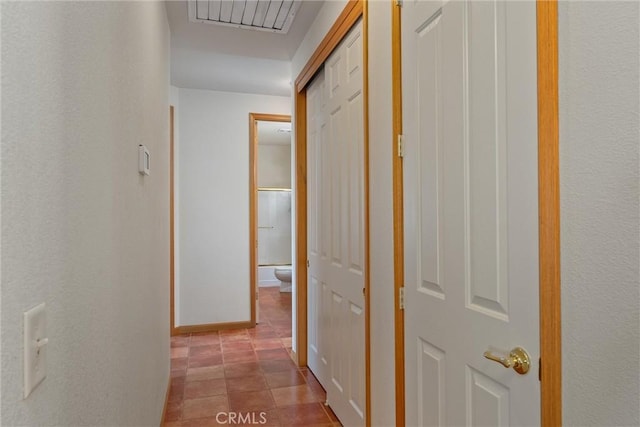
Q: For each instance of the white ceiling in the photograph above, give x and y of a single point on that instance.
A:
(268, 133)
(205, 56)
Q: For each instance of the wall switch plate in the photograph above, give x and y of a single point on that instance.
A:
(144, 160)
(35, 348)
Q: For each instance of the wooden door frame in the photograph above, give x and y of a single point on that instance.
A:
(352, 12)
(172, 265)
(254, 118)
(548, 220)
(398, 209)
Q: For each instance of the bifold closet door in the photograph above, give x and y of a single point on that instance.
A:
(317, 223)
(336, 229)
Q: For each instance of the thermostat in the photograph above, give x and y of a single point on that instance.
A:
(144, 160)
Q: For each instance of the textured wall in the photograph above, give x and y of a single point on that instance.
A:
(599, 125)
(83, 84)
(213, 192)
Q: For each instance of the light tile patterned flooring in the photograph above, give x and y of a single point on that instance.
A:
(245, 371)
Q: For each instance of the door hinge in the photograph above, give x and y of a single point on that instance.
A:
(400, 145)
(308, 263)
(401, 297)
(399, 3)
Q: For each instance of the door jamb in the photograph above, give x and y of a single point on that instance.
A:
(549, 214)
(352, 12)
(398, 209)
(253, 200)
(172, 266)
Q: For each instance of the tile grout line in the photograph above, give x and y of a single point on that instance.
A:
(276, 334)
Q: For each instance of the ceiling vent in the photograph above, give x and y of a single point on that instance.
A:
(262, 15)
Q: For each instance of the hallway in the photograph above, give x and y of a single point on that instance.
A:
(246, 371)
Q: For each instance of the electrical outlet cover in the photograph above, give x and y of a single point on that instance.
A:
(35, 349)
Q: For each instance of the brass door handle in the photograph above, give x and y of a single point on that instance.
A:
(518, 359)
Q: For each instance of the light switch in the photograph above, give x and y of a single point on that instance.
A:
(144, 160)
(35, 348)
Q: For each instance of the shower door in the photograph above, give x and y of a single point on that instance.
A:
(274, 227)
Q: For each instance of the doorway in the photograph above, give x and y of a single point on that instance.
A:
(270, 216)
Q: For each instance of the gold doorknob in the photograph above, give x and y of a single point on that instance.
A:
(518, 359)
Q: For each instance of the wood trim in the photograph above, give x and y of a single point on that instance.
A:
(172, 265)
(166, 400)
(265, 117)
(212, 327)
(301, 226)
(350, 14)
(253, 201)
(398, 211)
(367, 239)
(253, 213)
(549, 211)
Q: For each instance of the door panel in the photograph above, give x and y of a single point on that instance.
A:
(430, 157)
(431, 384)
(486, 148)
(337, 361)
(336, 256)
(317, 200)
(470, 203)
(355, 173)
(488, 400)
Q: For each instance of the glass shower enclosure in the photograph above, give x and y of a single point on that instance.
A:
(274, 226)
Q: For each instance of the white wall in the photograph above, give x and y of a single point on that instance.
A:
(213, 284)
(82, 231)
(381, 216)
(599, 125)
(324, 20)
(274, 166)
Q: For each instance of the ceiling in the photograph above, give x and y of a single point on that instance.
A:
(270, 133)
(213, 57)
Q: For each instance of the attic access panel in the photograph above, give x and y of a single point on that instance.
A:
(274, 16)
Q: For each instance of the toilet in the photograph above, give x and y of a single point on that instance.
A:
(284, 275)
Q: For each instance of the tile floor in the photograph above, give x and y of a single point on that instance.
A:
(246, 371)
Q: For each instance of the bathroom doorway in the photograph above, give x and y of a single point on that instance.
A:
(271, 221)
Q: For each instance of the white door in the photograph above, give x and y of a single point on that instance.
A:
(317, 289)
(336, 246)
(471, 212)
